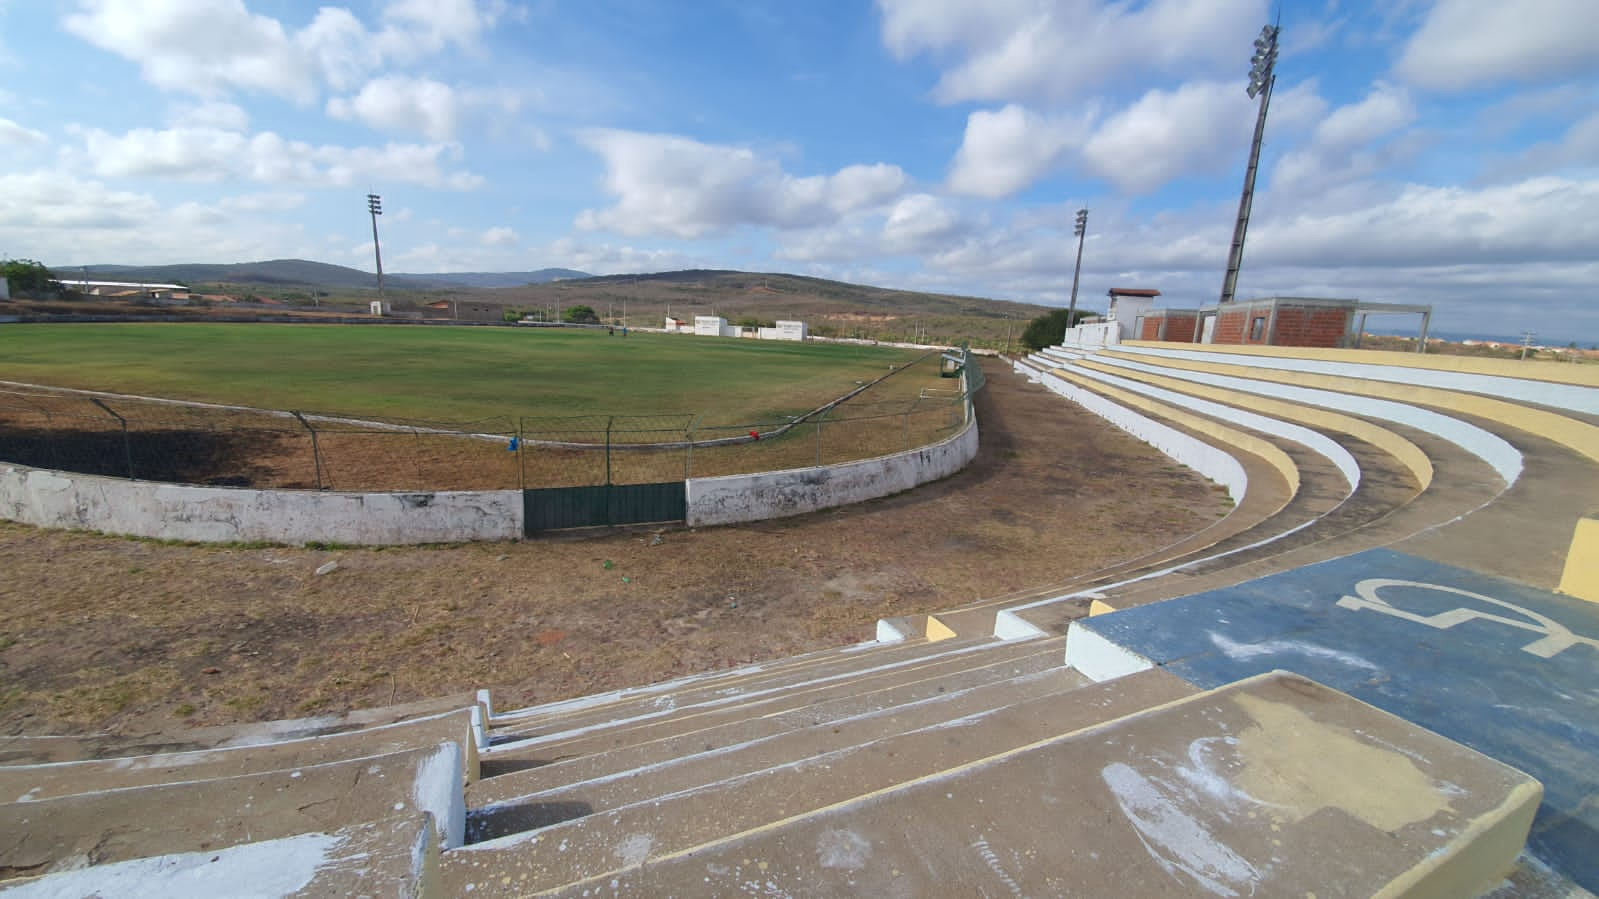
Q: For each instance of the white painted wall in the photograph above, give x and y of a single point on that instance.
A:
(222, 514)
(778, 494)
(710, 326)
(784, 331)
(1094, 336)
(1572, 397)
(1213, 462)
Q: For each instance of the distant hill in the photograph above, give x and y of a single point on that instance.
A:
(275, 272)
(499, 279)
(320, 275)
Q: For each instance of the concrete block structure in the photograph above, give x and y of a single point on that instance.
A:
(1175, 325)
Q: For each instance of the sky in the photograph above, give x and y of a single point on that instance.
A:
(1442, 153)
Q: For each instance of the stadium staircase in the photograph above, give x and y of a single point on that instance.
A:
(1067, 740)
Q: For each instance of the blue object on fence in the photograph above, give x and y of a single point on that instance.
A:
(511, 447)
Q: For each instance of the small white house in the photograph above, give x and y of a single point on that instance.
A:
(678, 326)
(784, 331)
(713, 326)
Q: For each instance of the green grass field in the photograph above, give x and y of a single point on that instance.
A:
(442, 374)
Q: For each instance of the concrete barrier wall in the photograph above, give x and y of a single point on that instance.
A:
(1491, 448)
(778, 494)
(1315, 441)
(1572, 397)
(1212, 462)
(223, 514)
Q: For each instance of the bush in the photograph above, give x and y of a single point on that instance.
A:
(1049, 330)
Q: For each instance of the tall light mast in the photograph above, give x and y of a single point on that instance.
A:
(1079, 231)
(374, 205)
(1262, 76)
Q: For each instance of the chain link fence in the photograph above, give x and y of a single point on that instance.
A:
(194, 443)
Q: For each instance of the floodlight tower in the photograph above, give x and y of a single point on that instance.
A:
(1262, 76)
(1079, 231)
(374, 205)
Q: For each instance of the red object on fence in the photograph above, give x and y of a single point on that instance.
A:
(755, 435)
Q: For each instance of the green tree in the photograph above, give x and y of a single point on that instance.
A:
(28, 278)
(1050, 329)
(580, 315)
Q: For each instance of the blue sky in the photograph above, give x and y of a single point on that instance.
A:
(1417, 152)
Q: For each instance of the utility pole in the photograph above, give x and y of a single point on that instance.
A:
(374, 205)
(1079, 230)
(1262, 75)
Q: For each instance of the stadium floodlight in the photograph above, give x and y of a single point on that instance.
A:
(1262, 74)
(1080, 229)
(374, 205)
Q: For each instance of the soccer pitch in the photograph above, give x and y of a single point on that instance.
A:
(443, 374)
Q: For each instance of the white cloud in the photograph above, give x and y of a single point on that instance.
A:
(915, 224)
(1444, 226)
(14, 135)
(1466, 44)
(608, 259)
(1340, 147)
(201, 47)
(1028, 50)
(498, 237)
(397, 103)
(210, 47)
(1198, 128)
(674, 186)
(213, 114)
(211, 154)
(48, 200)
(1006, 150)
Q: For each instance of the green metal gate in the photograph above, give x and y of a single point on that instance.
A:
(553, 508)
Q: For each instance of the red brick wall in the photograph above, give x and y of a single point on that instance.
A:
(1179, 327)
(1313, 326)
(1232, 326)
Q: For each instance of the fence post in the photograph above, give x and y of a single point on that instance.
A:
(688, 453)
(416, 454)
(521, 447)
(127, 445)
(905, 434)
(819, 439)
(316, 451)
(608, 420)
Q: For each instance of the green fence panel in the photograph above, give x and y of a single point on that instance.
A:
(555, 508)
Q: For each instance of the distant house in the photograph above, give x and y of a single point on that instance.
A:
(678, 326)
(470, 310)
(126, 289)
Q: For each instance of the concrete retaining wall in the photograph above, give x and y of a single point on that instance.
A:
(55, 499)
(1212, 462)
(778, 494)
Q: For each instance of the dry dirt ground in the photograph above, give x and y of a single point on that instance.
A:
(103, 633)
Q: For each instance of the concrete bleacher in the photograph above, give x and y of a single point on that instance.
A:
(1359, 682)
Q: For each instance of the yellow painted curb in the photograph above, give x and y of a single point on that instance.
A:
(1247, 442)
(1553, 372)
(938, 630)
(1581, 577)
(1577, 436)
(1407, 453)
(1099, 607)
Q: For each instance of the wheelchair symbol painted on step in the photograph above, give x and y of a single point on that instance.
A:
(1556, 638)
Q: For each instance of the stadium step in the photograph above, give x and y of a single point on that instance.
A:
(51, 780)
(34, 750)
(115, 825)
(592, 848)
(568, 739)
(530, 770)
(1271, 786)
(521, 801)
(749, 684)
(394, 856)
